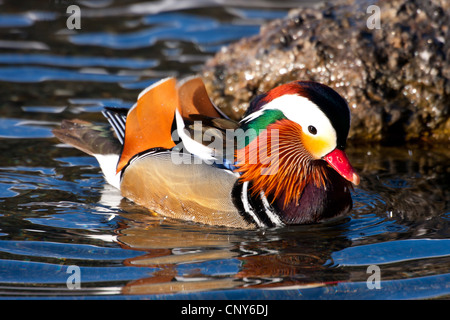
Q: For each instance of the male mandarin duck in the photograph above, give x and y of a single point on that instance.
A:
(178, 155)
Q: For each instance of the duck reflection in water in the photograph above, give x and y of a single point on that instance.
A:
(193, 258)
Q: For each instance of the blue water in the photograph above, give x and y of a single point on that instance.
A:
(57, 213)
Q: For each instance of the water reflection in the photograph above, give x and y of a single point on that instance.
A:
(195, 257)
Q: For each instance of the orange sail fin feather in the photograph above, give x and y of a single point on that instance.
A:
(149, 122)
(195, 100)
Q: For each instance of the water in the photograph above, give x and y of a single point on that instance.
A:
(59, 220)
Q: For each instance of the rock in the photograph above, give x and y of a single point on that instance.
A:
(396, 79)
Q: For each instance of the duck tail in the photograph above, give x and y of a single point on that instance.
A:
(99, 141)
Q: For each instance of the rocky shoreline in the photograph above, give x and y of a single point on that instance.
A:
(396, 78)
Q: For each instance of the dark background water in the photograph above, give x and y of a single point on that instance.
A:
(56, 211)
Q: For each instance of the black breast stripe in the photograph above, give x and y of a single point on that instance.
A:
(240, 200)
(254, 209)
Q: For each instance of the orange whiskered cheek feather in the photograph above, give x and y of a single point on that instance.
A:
(259, 162)
(277, 163)
(259, 158)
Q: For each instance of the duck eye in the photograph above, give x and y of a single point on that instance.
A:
(312, 130)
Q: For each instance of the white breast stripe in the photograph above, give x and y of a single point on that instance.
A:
(248, 209)
(269, 211)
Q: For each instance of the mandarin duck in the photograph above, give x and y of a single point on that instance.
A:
(177, 154)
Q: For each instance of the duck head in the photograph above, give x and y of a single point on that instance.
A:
(300, 129)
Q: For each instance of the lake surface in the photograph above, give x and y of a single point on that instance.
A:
(65, 233)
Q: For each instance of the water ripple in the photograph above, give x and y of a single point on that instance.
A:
(22, 129)
(39, 74)
(171, 26)
(64, 250)
(14, 271)
(77, 61)
(392, 252)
